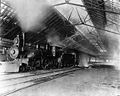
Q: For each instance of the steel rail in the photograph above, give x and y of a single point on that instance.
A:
(39, 80)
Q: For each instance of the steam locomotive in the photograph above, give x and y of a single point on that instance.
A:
(33, 57)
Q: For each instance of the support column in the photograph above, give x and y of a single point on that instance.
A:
(83, 60)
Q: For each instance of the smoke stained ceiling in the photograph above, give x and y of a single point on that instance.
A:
(92, 27)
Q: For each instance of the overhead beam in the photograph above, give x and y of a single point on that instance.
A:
(89, 7)
(97, 28)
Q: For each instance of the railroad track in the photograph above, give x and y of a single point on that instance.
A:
(10, 86)
(28, 74)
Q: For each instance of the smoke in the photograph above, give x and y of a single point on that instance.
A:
(54, 38)
(116, 55)
(30, 13)
(114, 44)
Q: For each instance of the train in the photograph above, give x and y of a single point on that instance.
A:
(17, 58)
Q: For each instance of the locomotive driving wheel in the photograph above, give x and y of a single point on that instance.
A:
(38, 64)
(23, 68)
(47, 64)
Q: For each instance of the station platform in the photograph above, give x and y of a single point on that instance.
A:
(95, 81)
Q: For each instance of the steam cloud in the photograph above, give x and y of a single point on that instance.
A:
(54, 38)
(30, 13)
(114, 43)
